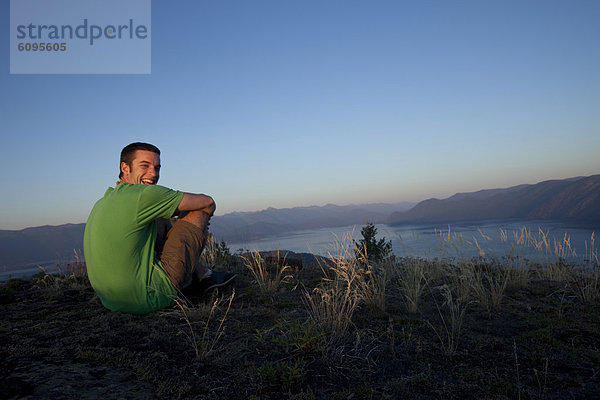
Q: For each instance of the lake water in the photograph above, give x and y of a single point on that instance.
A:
(28, 270)
(536, 241)
(457, 241)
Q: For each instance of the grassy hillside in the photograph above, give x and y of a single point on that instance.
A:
(338, 329)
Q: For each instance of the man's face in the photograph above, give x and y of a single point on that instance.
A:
(144, 168)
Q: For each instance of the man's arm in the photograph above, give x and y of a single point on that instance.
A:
(197, 202)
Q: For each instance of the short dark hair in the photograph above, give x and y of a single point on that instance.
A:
(128, 152)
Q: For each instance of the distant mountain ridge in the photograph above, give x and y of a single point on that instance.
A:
(41, 244)
(45, 244)
(245, 226)
(575, 200)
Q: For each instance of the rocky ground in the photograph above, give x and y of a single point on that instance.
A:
(58, 342)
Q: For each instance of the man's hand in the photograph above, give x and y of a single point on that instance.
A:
(212, 208)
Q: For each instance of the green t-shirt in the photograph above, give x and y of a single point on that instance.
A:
(119, 247)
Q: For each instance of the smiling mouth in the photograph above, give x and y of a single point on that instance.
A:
(148, 181)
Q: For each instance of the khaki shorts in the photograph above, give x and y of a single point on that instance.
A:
(179, 250)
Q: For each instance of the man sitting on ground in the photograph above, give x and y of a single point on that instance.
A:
(133, 266)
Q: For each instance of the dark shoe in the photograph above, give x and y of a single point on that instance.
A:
(215, 280)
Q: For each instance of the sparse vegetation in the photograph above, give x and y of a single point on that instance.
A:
(268, 275)
(451, 319)
(412, 281)
(215, 254)
(332, 304)
(346, 327)
(211, 328)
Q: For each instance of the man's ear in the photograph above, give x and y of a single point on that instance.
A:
(125, 168)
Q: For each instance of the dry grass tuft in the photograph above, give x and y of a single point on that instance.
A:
(488, 284)
(215, 254)
(332, 308)
(451, 321)
(586, 284)
(412, 279)
(204, 344)
(267, 280)
(332, 304)
(371, 278)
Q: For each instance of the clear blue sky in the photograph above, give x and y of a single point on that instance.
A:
(295, 103)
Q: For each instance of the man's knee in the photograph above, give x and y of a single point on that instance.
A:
(199, 218)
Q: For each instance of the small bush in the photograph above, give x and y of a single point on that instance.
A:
(11, 286)
(284, 373)
(369, 248)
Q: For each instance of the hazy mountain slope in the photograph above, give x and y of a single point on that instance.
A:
(41, 244)
(576, 199)
(251, 225)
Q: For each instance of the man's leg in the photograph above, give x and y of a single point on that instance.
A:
(163, 226)
(181, 252)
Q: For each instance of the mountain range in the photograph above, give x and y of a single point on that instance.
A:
(574, 200)
(246, 226)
